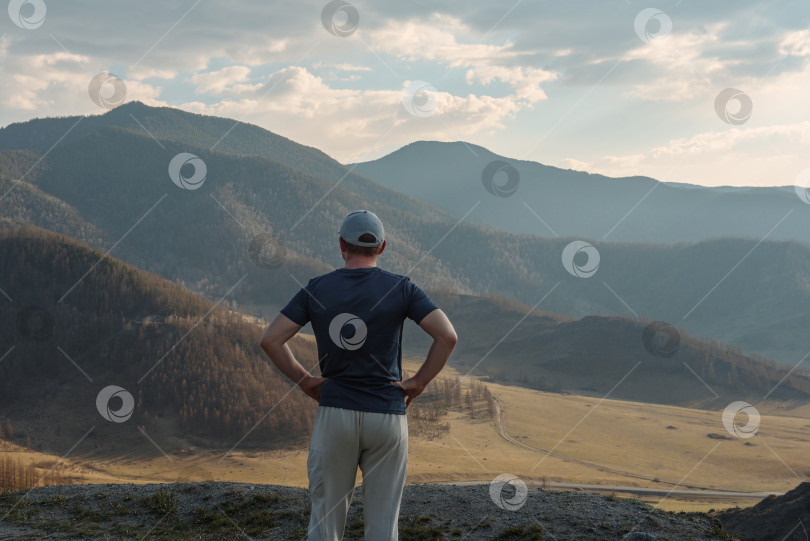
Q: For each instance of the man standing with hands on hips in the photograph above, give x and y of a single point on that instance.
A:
(357, 314)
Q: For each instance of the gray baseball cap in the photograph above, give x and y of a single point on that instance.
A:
(357, 224)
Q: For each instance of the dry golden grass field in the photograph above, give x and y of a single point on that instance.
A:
(592, 441)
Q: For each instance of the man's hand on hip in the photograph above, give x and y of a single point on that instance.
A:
(311, 385)
(412, 389)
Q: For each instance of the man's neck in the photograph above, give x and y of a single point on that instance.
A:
(361, 263)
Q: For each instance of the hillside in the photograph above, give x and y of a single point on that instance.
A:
(74, 322)
(749, 293)
(579, 204)
(189, 366)
(744, 292)
(785, 517)
(27, 204)
(429, 512)
(113, 177)
(545, 351)
(591, 354)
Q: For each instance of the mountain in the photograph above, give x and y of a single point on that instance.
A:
(77, 322)
(590, 355)
(190, 368)
(579, 204)
(197, 377)
(25, 203)
(74, 322)
(111, 188)
(113, 176)
(214, 134)
(785, 517)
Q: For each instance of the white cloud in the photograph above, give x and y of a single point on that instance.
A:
(499, 84)
(141, 72)
(218, 82)
(796, 43)
(54, 84)
(255, 51)
(353, 124)
(437, 39)
(679, 67)
(572, 163)
(526, 81)
(341, 67)
(712, 142)
(765, 155)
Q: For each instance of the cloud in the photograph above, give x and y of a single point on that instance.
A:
(765, 155)
(527, 82)
(796, 43)
(504, 72)
(54, 84)
(437, 38)
(341, 67)
(677, 67)
(353, 124)
(220, 82)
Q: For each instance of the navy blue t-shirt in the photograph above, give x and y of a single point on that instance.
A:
(357, 316)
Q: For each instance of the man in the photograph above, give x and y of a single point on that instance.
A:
(357, 314)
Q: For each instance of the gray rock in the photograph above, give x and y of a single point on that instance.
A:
(639, 536)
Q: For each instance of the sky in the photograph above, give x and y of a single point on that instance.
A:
(712, 93)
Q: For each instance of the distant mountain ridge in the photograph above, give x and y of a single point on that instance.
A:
(591, 354)
(591, 206)
(214, 134)
(111, 188)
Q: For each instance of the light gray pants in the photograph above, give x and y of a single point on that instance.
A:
(342, 440)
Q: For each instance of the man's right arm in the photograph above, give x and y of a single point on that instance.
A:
(274, 344)
(438, 326)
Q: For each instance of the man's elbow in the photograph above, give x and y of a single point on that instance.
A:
(450, 339)
(268, 343)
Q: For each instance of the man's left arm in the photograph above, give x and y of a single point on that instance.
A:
(274, 344)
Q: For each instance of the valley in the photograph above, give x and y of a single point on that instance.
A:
(557, 441)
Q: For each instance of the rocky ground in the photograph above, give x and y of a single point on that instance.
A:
(236, 510)
(783, 518)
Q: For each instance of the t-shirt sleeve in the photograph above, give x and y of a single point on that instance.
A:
(420, 304)
(298, 308)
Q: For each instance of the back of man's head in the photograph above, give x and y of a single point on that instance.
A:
(363, 233)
